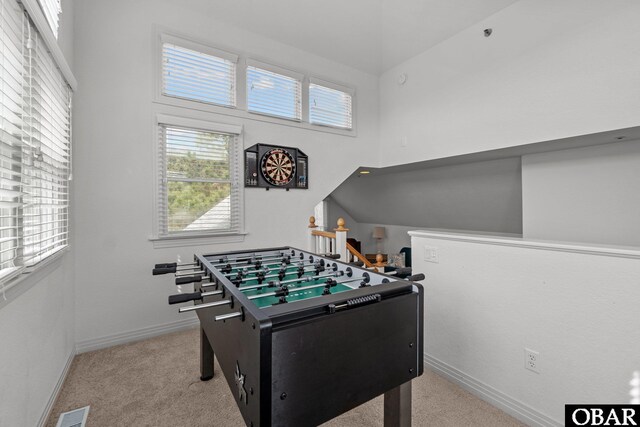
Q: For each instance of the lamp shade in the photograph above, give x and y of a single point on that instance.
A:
(378, 232)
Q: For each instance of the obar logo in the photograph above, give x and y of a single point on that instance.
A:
(601, 415)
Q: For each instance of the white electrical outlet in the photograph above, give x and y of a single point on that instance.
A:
(532, 360)
(431, 254)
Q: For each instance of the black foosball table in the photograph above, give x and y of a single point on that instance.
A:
(302, 338)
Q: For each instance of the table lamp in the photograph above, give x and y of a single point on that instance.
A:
(378, 234)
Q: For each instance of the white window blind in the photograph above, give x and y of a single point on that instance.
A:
(330, 106)
(47, 151)
(12, 81)
(199, 182)
(52, 10)
(198, 76)
(274, 94)
(35, 150)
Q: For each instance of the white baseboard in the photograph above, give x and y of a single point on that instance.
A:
(489, 394)
(136, 335)
(56, 391)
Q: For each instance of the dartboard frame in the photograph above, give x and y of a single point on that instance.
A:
(274, 166)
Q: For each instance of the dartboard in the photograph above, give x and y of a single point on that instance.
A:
(278, 167)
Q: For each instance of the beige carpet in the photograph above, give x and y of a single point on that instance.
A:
(156, 383)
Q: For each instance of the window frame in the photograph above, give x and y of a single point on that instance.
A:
(240, 111)
(338, 87)
(201, 48)
(16, 283)
(299, 77)
(167, 240)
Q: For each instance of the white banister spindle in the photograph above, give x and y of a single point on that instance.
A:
(311, 245)
(341, 240)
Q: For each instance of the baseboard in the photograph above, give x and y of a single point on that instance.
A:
(54, 395)
(136, 335)
(489, 394)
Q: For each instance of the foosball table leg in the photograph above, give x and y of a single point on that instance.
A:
(206, 357)
(397, 406)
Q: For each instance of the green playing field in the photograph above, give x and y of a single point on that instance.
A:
(293, 295)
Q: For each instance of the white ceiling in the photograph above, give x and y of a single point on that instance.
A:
(370, 35)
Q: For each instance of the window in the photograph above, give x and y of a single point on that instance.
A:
(52, 10)
(273, 91)
(35, 146)
(199, 191)
(204, 75)
(197, 76)
(329, 106)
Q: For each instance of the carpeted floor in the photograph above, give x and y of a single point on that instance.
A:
(156, 383)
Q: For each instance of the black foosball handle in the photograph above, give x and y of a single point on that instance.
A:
(164, 270)
(180, 298)
(416, 277)
(401, 272)
(166, 265)
(357, 263)
(188, 279)
(332, 256)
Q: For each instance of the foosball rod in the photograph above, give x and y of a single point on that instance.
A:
(304, 288)
(205, 305)
(271, 276)
(251, 261)
(226, 259)
(298, 280)
(228, 269)
(267, 269)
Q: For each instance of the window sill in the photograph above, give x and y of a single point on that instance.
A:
(195, 240)
(25, 281)
(248, 115)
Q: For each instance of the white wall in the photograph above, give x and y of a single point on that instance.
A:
(37, 319)
(583, 195)
(550, 70)
(37, 330)
(485, 301)
(114, 155)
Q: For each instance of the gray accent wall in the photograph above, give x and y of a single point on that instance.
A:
(480, 196)
(589, 195)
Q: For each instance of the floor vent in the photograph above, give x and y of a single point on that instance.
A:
(75, 418)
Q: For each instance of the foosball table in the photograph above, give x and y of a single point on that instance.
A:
(302, 338)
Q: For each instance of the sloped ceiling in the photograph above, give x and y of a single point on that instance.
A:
(370, 35)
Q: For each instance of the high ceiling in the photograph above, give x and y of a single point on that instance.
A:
(370, 35)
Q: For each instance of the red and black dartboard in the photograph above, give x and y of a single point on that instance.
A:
(278, 167)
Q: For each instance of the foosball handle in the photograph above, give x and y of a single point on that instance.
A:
(166, 265)
(179, 298)
(333, 256)
(357, 263)
(402, 271)
(416, 277)
(188, 279)
(163, 270)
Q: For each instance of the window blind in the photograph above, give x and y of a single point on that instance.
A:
(330, 107)
(52, 10)
(273, 94)
(197, 76)
(199, 182)
(46, 154)
(35, 116)
(12, 82)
